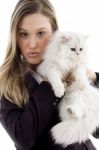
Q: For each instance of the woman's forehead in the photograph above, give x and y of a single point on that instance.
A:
(35, 21)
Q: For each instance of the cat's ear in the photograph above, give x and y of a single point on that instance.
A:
(64, 39)
(85, 37)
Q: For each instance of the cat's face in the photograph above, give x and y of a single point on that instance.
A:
(74, 45)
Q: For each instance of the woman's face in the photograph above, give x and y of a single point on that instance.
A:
(34, 32)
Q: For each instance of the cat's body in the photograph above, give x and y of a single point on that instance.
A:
(79, 109)
(60, 60)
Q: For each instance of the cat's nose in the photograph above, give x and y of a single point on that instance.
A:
(77, 53)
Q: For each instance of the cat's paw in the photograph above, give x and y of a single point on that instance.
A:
(75, 111)
(59, 91)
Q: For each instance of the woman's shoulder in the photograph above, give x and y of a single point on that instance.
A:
(30, 81)
(29, 77)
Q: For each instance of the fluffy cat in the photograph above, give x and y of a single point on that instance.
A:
(79, 108)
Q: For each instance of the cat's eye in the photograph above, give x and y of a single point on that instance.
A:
(73, 49)
(81, 49)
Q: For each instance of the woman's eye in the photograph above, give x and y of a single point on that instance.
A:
(23, 34)
(40, 34)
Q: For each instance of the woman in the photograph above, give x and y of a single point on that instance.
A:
(28, 104)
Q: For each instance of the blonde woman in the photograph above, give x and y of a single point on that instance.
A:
(28, 104)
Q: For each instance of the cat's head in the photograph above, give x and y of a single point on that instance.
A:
(73, 44)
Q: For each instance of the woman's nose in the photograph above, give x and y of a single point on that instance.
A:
(32, 42)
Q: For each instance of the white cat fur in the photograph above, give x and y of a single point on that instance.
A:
(79, 109)
(59, 61)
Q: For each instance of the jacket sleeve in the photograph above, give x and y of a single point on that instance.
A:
(26, 125)
(96, 133)
(96, 82)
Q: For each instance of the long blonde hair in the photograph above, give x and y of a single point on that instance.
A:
(13, 70)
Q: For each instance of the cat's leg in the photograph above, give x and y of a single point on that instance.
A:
(54, 76)
(55, 79)
(75, 111)
(81, 79)
(73, 105)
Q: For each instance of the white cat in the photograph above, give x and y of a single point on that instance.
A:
(60, 58)
(79, 108)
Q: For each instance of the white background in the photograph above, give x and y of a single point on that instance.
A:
(73, 15)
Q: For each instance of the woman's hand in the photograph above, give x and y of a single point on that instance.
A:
(91, 74)
(69, 79)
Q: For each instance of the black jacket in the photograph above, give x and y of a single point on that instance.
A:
(29, 126)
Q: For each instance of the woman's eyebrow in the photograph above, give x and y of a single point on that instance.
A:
(22, 29)
(42, 28)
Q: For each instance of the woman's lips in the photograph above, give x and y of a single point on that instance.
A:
(34, 54)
